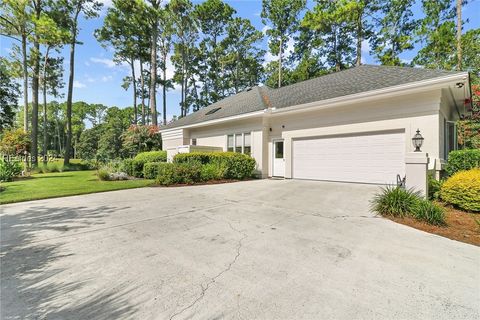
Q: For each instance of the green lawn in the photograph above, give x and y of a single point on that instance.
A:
(59, 184)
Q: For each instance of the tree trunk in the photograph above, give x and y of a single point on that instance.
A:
(142, 84)
(35, 88)
(153, 74)
(280, 64)
(68, 144)
(25, 82)
(359, 39)
(45, 136)
(134, 84)
(459, 34)
(164, 67)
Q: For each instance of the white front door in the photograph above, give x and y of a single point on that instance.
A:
(278, 159)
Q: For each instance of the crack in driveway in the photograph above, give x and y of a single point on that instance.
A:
(214, 279)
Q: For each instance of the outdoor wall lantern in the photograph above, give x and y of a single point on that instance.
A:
(417, 141)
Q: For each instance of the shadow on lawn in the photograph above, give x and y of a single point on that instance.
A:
(29, 284)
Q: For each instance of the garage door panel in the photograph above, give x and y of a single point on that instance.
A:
(373, 158)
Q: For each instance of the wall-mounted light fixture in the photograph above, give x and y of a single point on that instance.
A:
(417, 141)
(459, 84)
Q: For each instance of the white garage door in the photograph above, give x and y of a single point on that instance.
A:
(368, 158)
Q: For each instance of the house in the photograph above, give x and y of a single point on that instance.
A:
(353, 126)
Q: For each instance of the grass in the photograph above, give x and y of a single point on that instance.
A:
(60, 184)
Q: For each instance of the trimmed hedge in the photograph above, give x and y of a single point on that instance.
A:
(134, 167)
(151, 169)
(237, 165)
(463, 190)
(179, 173)
(459, 160)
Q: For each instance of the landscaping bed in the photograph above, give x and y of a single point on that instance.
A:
(460, 225)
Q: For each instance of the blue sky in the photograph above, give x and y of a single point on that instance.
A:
(98, 79)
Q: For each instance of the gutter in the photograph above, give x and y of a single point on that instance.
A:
(358, 97)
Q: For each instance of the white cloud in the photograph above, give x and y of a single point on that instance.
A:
(109, 63)
(366, 47)
(78, 84)
(106, 78)
(290, 47)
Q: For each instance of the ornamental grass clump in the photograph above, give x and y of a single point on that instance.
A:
(429, 212)
(395, 201)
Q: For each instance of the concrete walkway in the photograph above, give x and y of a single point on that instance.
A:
(268, 249)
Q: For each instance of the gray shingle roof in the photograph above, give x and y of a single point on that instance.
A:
(351, 81)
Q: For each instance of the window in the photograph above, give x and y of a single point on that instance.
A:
(230, 142)
(194, 141)
(239, 142)
(450, 137)
(247, 148)
(279, 150)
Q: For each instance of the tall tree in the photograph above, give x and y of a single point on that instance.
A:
(9, 93)
(154, 12)
(333, 27)
(282, 15)
(186, 34)
(71, 12)
(122, 30)
(16, 23)
(165, 44)
(459, 4)
(395, 29)
(436, 33)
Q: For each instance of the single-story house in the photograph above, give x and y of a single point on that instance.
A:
(354, 125)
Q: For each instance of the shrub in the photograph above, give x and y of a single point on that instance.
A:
(127, 166)
(179, 173)
(394, 201)
(9, 170)
(434, 187)
(237, 166)
(429, 212)
(463, 190)
(459, 160)
(103, 174)
(145, 157)
(213, 171)
(151, 169)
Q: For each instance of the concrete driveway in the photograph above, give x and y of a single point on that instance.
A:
(268, 249)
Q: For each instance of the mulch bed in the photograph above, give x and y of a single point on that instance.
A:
(461, 225)
(200, 183)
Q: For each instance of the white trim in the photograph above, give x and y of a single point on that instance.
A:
(210, 122)
(367, 95)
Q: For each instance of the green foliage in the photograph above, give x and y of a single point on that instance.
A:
(179, 173)
(434, 187)
(9, 170)
(213, 171)
(463, 190)
(140, 139)
(237, 165)
(151, 169)
(15, 142)
(462, 160)
(136, 166)
(429, 212)
(128, 167)
(103, 174)
(394, 201)
(9, 94)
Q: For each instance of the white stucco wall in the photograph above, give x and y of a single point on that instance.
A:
(425, 111)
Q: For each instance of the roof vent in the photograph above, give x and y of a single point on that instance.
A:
(213, 111)
(247, 89)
